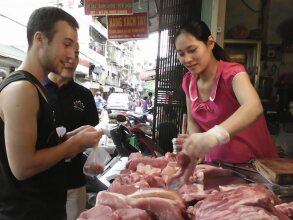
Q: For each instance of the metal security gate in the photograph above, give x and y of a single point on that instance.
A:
(169, 104)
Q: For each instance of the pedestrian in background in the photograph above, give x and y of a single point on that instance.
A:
(74, 106)
(131, 99)
(99, 101)
(145, 105)
(150, 102)
(32, 174)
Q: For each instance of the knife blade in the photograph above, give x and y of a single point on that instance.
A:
(243, 176)
(230, 165)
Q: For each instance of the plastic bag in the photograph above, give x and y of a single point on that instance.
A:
(96, 161)
(104, 127)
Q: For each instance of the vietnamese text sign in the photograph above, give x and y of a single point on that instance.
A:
(108, 7)
(128, 26)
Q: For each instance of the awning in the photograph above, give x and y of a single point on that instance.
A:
(147, 75)
(92, 85)
(105, 88)
(80, 69)
(12, 52)
(83, 65)
(84, 62)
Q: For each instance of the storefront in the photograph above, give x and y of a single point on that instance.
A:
(10, 57)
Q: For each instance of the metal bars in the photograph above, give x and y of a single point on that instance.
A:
(169, 105)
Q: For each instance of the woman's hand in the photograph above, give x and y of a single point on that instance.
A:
(197, 145)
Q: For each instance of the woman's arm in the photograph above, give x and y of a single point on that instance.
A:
(250, 105)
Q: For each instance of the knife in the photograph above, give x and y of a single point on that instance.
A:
(243, 176)
(230, 165)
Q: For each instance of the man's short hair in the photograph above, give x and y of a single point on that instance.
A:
(44, 19)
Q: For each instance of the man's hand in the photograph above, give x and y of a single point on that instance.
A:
(87, 137)
(77, 130)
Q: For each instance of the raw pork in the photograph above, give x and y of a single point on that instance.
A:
(252, 201)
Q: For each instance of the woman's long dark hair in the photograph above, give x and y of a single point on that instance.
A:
(201, 32)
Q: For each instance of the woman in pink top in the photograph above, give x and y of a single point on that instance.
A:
(225, 115)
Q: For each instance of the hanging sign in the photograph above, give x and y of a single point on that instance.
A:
(108, 7)
(121, 27)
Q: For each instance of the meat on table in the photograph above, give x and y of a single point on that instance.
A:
(141, 192)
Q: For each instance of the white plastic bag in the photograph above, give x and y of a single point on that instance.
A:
(96, 161)
(104, 127)
(98, 157)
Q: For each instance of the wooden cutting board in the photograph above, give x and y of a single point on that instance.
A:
(279, 171)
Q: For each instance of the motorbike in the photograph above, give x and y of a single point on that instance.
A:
(132, 116)
(134, 136)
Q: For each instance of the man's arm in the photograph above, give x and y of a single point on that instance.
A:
(19, 114)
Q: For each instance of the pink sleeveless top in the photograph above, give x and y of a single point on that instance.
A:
(254, 142)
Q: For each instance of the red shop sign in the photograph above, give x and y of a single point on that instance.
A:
(108, 7)
(121, 27)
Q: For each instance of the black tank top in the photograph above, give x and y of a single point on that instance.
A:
(43, 196)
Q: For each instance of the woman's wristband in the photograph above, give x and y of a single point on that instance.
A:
(220, 134)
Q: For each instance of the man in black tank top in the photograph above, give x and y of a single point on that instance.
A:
(32, 178)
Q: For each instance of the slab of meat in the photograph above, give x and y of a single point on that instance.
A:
(209, 170)
(129, 188)
(154, 162)
(171, 157)
(135, 155)
(195, 192)
(252, 201)
(155, 181)
(100, 212)
(170, 169)
(130, 183)
(187, 167)
(130, 214)
(239, 212)
(129, 178)
(147, 169)
(286, 208)
(161, 208)
(231, 187)
(160, 193)
(113, 200)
